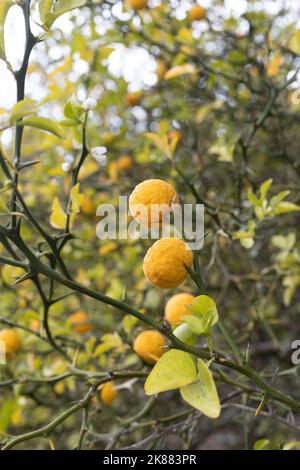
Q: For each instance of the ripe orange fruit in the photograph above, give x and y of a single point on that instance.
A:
(166, 262)
(108, 392)
(133, 99)
(88, 207)
(11, 341)
(137, 5)
(80, 322)
(175, 134)
(148, 193)
(197, 13)
(176, 307)
(150, 345)
(125, 162)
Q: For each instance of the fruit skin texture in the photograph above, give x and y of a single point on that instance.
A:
(150, 346)
(197, 13)
(138, 4)
(176, 307)
(166, 261)
(153, 191)
(11, 341)
(80, 323)
(108, 392)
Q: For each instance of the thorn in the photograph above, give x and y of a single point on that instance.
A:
(23, 278)
(247, 355)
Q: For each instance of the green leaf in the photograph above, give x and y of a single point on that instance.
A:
(43, 124)
(203, 394)
(7, 410)
(173, 370)
(50, 10)
(264, 188)
(261, 444)
(204, 315)
(285, 206)
(294, 42)
(23, 108)
(72, 112)
(58, 217)
(291, 445)
(284, 243)
(276, 200)
(68, 123)
(128, 323)
(199, 326)
(4, 7)
(253, 199)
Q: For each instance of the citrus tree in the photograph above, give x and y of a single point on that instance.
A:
(136, 343)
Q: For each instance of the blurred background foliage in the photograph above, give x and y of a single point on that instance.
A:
(223, 93)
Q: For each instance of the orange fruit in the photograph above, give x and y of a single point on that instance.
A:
(138, 5)
(80, 322)
(176, 307)
(153, 192)
(88, 207)
(165, 264)
(125, 162)
(11, 341)
(150, 345)
(175, 134)
(108, 392)
(133, 98)
(197, 13)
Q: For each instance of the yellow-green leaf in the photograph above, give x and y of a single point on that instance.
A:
(58, 216)
(294, 42)
(76, 198)
(204, 315)
(261, 444)
(23, 108)
(43, 124)
(50, 10)
(291, 445)
(173, 370)
(264, 188)
(285, 206)
(203, 394)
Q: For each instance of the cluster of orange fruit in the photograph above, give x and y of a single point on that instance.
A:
(167, 261)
